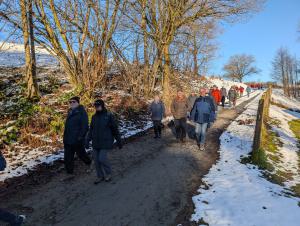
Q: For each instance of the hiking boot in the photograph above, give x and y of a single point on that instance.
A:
(202, 147)
(98, 180)
(159, 136)
(20, 220)
(108, 178)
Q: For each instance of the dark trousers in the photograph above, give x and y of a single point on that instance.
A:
(103, 166)
(157, 127)
(180, 127)
(69, 153)
(223, 101)
(10, 218)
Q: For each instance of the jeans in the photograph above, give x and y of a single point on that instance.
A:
(157, 127)
(10, 218)
(103, 166)
(201, 132)
(69, 153)
(180, 127)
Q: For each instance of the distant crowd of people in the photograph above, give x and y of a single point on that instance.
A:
(200, 108)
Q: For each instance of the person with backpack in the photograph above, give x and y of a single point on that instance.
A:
(103, 131)
(223, 95)
(157, 112)
(179, 109)
(76, 127)
(232, 96)
(5, 216)
(201, 114)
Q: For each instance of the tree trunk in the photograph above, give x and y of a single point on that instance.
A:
(28, 36)
(195, 57)
(166, 78)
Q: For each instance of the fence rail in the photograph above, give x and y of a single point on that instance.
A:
(262, 115)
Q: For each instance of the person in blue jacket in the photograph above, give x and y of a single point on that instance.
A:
(202, 114)
(5, 216)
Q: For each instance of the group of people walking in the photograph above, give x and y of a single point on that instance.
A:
(78, 134)
(199, 108)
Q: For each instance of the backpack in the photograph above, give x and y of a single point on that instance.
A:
(2, 162)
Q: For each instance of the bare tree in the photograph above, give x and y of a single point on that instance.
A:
(285, 70)
(28, 36)
(166, 18)
(240, 66)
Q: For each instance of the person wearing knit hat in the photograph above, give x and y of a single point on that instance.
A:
(76, 127)
(103, 131)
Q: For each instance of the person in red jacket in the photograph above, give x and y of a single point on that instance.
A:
(241, 91)
(216, 94)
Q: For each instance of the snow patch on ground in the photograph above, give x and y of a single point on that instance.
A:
(288, 152)
(289, 102)
(238, 194)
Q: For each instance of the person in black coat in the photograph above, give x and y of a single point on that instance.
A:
(76, 127)
(103, 131)
(5, 216)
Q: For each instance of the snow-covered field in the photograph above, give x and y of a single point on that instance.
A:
(237, 194)
(12, 55)
(279, 98)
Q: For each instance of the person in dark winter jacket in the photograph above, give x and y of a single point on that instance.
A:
(5, 216)
(179, 109)
(103, 130)
(76, 127)
(157, 111)
(201, 114)
(223, 95)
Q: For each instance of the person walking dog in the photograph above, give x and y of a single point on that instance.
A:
(201, 114)
(157, 112)
(103, 130)
(5, 216)
(76, 127)
(179, 109)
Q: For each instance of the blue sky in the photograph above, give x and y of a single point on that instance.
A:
(261, 35)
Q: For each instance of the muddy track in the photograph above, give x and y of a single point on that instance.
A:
(153, 181)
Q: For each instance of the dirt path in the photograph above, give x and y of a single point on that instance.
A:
(152, 184)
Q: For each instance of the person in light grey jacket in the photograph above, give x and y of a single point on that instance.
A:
(157, 112)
